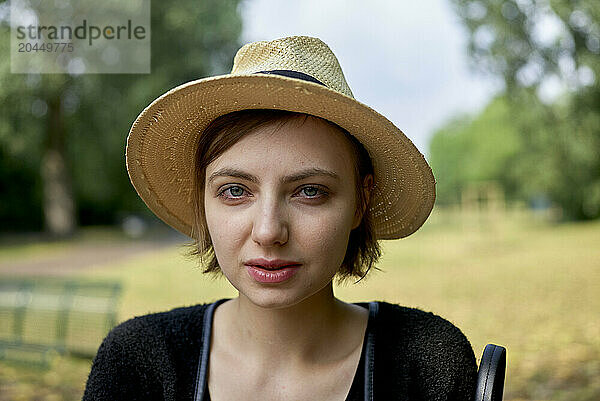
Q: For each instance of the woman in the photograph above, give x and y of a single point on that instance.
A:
(285, 182)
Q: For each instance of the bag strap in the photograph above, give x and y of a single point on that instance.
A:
(204, 354)
(370, 352)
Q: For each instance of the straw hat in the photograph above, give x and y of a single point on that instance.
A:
(299, 74)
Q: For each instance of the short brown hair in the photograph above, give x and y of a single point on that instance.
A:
(363, 249)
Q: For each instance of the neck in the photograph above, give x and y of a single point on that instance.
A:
(301, 331)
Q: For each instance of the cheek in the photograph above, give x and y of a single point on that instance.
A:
(326, 236)
(227, 231)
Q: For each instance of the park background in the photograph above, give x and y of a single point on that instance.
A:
(502, 97)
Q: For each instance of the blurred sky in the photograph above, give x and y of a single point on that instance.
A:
(406, 59)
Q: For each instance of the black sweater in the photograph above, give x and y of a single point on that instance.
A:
(418, 356)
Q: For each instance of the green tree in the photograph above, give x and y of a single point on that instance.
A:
(537, 47)
(468, 150)
(63, 136)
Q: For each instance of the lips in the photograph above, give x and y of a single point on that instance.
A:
(272, 276)
(275, 264)
(272, 268)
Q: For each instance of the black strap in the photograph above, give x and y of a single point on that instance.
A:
(370, 352)
(293, 74)
(492, 369)
(201, 375)
(203, 363)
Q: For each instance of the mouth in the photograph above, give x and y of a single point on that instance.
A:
(269, 275)
(271, 265)
(273, 268)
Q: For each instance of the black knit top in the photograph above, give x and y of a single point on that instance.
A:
(417, 356)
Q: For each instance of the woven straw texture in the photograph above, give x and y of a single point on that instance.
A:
(162, 140)
(291, 54)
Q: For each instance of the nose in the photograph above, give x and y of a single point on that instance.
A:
(270, 226)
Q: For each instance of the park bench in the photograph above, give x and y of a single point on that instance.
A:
(39, 318)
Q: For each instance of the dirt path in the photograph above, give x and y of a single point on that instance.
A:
(81, 256)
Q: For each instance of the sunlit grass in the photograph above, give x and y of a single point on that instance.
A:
(535, 291)
(23, 247)
(160, 281)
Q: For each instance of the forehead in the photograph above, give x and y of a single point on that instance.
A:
(298, 144)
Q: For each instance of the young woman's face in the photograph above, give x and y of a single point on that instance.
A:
(283, 194)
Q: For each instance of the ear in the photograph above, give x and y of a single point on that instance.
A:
(367, 187)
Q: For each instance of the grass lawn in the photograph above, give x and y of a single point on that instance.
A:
(531, 287)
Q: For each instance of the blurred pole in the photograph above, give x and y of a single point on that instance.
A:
(59, 206)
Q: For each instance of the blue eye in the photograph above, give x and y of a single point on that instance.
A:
(234, 190)
(313, 191)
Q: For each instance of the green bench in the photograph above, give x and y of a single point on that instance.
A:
(39, 318)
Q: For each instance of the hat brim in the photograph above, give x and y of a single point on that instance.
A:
(162, 143)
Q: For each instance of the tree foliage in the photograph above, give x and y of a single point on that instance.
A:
(190, 40)
(547, 54)
(470, 150)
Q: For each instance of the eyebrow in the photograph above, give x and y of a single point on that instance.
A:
(300, 175)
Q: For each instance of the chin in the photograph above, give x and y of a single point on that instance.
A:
(274, 298)
(278, 295)
(281, 297)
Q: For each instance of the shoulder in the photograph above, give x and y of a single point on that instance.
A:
(418, 330)
(156, 335)
(418, 325)
(166, 323)
(437, 354)
(141, 358)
